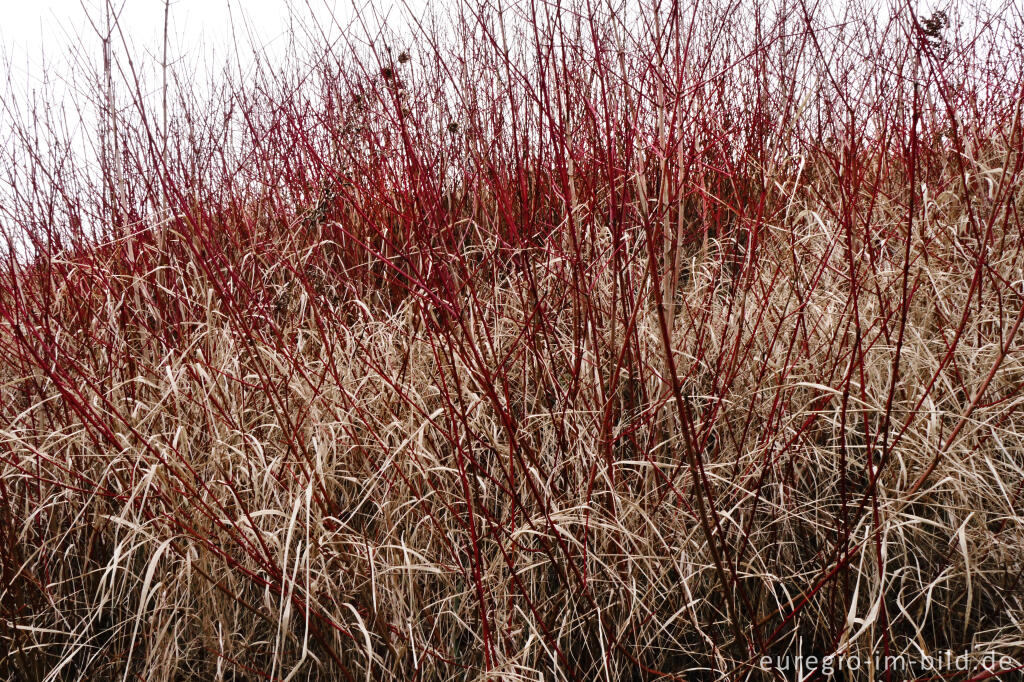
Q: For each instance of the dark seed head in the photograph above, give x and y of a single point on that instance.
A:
(387, 72)
(453, 127)
(403, 57)
(935, 25)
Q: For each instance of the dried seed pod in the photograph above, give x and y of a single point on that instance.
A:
(453, 127)
(934, 25)
(403, 57)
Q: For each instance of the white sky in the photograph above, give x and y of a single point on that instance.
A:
(38, 32)
(30, 29)
(32, 32)
(41, 38)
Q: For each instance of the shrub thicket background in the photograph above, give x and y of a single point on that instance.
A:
(533, 342)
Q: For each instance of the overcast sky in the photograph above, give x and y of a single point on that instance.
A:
(34, 30)
(28, 29)
(41, 37)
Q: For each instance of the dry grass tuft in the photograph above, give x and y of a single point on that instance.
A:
(644, 373)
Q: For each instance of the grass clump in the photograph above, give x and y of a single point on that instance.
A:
(559, 344)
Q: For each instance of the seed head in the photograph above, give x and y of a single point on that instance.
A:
(933, 28)
(934, 25)
(403, 57)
